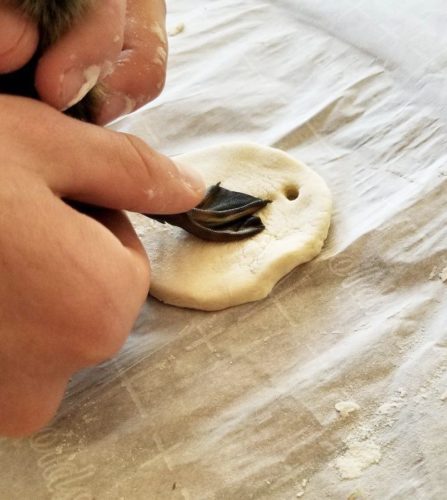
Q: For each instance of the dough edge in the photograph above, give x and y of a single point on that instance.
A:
(259, 286)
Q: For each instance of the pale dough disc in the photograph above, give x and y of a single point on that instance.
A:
(189, 272)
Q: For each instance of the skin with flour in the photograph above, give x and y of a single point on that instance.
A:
(94, 59)
(192, 273)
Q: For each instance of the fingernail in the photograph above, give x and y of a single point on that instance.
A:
(76, 83)
(115, 106)
(191, 177)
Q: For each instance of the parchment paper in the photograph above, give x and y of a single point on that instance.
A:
(240, 404)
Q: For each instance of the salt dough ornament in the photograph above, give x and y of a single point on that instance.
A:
(192, 273)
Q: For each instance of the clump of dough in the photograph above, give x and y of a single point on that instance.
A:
(176, 29)
(345, 408)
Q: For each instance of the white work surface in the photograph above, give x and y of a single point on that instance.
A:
(240, 404)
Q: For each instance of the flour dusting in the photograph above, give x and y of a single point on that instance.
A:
(359, 456)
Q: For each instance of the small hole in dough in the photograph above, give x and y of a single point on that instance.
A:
(291, 192)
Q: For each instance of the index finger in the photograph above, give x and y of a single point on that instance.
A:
(92, 164)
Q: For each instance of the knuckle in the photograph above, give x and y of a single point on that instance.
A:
(154, 69)
(158, 75)
(138, 159)
(100, 311)
(157, 86)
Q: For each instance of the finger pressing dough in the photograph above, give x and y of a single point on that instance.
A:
(189, 272)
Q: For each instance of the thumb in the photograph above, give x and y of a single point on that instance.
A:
(94, 165)
(18, 39)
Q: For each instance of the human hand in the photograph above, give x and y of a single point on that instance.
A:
(118, 44)
(71, 284)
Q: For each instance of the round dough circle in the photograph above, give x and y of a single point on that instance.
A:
(189, 272)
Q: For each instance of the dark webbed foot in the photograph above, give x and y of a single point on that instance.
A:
(223, 215)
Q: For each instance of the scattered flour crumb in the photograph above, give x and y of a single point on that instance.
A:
(345, 408)
(356, 495)
(303, 488)
(402, 392)
(87, 419)
(359, 456)
(388, 408)
(443, 275)
(443, 396)
(434, 273)
(176, 29)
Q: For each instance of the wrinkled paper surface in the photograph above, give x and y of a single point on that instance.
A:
(240, 404)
